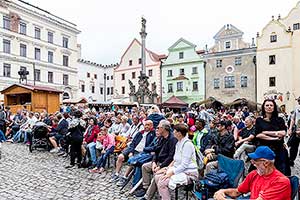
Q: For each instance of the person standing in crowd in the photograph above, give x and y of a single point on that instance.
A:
(76, 129)
(270, 130)
(264, 183)
(294, 133)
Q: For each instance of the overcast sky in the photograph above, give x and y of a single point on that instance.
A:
(108, 26)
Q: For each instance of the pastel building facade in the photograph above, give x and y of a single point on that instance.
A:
(230, 67)
(278, 60)
(130, 68)
(183, 73)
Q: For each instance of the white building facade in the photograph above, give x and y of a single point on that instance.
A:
(278, 60)
(40, 42)
(95, 81)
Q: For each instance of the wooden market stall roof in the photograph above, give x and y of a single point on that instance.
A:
(32, 88)
(174, 102)
(32, 97)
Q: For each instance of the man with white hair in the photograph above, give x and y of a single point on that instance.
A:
(264, 183)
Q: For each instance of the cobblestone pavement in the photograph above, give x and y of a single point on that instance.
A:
(41, 175)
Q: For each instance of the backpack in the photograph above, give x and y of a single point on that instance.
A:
(216, 179)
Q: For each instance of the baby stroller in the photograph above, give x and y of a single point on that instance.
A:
(39, 137)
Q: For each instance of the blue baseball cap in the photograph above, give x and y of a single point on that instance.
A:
(262, 152)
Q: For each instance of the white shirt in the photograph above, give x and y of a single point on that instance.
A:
(140, 147)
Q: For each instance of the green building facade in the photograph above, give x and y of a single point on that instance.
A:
(183, 73)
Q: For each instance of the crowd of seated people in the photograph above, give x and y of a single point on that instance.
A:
(158, 146)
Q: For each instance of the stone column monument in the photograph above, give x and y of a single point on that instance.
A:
(143, 94)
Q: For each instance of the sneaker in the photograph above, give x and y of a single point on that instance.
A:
(115, 178)
(69, 166)
(122, 181)
(54, 150)
(140, 193)
(95, 170)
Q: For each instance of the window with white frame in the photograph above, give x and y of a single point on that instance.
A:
(181, 71)
(219, 63)
(6, 70)
(170, 72)
(296, 26)
(181, 55)
(50, 56)
(65, 60)
(37, 75)
(244, 81)
(195, 86)
(273, 38)
(23, 28)
(112, 90)
(50, 77)
(229, 81)
(37, 53)
(65, 42)
(228, 45)
(238, 60)
(170, 87)
(216, 83)
(272, 60)
(37, 33)
(6, 46)
(180, 86)
(6, 22)
(65, 79)
(272, 81)
(23, 50)
(50, 37)
(194, 70)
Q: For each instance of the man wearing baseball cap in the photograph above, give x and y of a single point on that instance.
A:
(264, 183)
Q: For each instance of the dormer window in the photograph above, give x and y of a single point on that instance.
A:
(273, 38)
(296, 26)
(227, 45)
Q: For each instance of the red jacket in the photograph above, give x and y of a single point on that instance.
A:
(93, 136)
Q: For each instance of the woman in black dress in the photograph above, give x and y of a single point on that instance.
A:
(270, 130)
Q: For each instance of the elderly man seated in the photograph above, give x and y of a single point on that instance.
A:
(264, 183)
(142, 139)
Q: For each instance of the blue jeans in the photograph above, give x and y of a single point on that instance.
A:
(2, 136)
(17, 136)
(102, 160)
(137, 175)
(92, 149)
